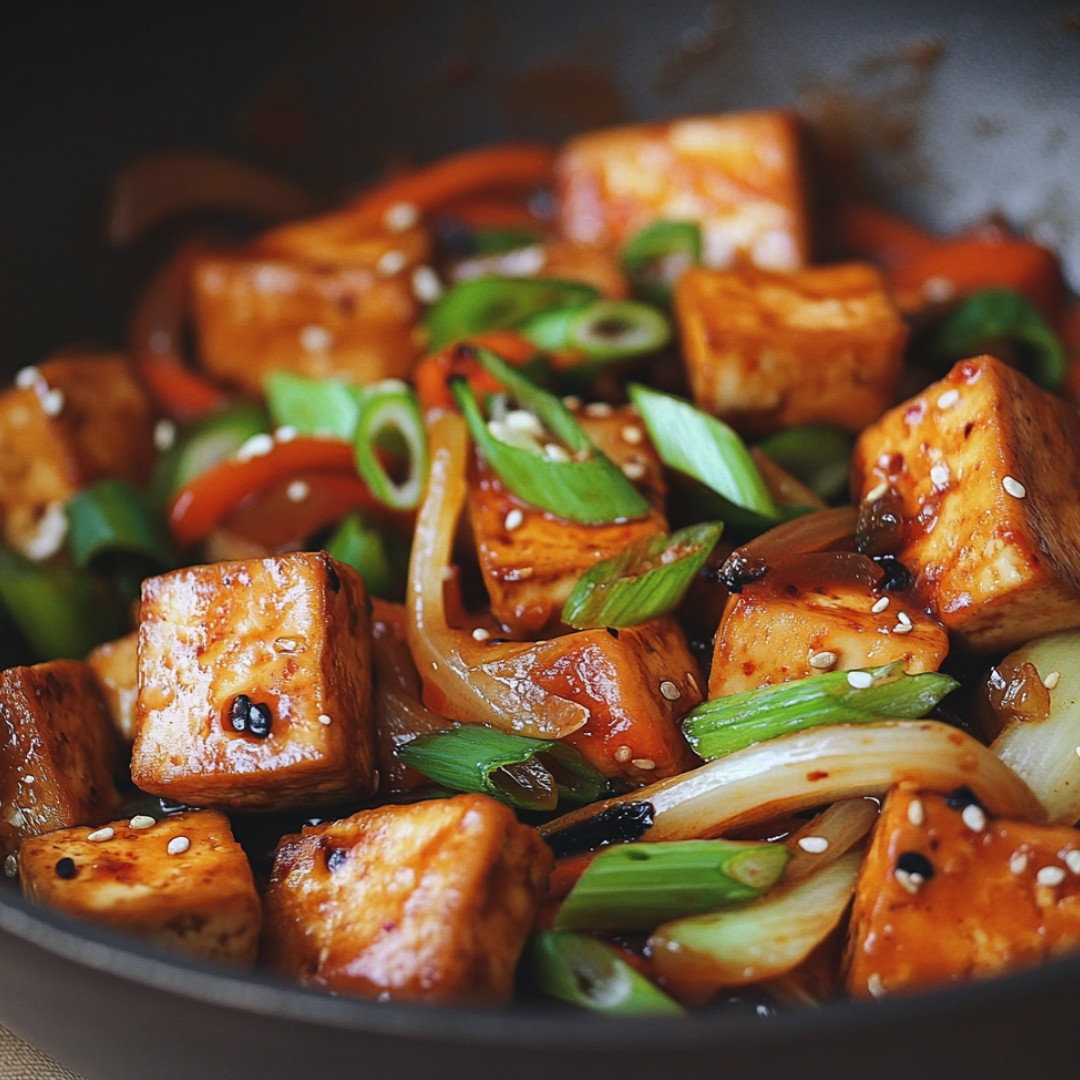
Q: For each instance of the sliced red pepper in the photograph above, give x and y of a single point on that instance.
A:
(875, 234)
(431, 376)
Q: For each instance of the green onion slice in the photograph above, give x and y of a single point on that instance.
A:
(569, 476)
(499, 303)
(991, 315)
(530, 774)
(618, 329)
(818, 455)
(390, 423)
(639, 886)
(498, 241)
(113, 517)
(585, 972)
(726, 724)
(313, 406)
(382, 564)
(704, 448)
(644, 581)
(656, 256)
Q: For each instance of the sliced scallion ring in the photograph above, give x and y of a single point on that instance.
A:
(390, 422)
(644, 581)
(656, 257)
(618, 329)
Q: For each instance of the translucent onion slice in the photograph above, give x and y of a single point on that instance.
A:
(829, 835)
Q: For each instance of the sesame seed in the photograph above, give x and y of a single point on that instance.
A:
(426, 286)
(66, 868)
(1050, 875)
(880, 605)
(973, 817)
(875, 986)
(98, 835)
(555, 452)
(643, 763)
(572, 402)
(401, 216)
(285, 644)
(390, 263)
(623, 753)
(948, 399)
(904, 617)
(1072, 860)
(1018, 863)
(298, 491)
(27, 377)
(903, 628)
(514, 520)
(256, 446)
(916, 813)
(1013, 487)
(670, 690)
(693, 682)
(822, 660)
(938, 289)
(598, 409)
(285, 433)
(315, 338)
(876, 492)
(325, 720)
(814, 845)
(480, 634)
(178, 845)
(519, 573)
(909, 880)
(11, 866)
(634, 470)
(939, 475)
(52, 401)
(29, 778)
(860, 680)
(50, 534)
(632, 434)
(142, 821)
(1051, 680)
(164, 434)
(524, 421)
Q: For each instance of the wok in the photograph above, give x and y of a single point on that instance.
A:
(957, 110)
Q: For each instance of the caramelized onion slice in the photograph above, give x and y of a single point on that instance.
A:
(829, 835)
(811, 768)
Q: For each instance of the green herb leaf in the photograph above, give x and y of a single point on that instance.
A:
(819, 455)
(313, 406)
(381, 563)
(112, 517)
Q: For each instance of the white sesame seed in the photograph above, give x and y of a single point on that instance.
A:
(286, 433)
(29, 778)
(49, 536)
(822, 660)
(1018, 863)
(52, 401)
(814, 845)
(524, 262)
(634, 470)
(178, 845)
(623, 753)
(909, 880)
(27, 377)
(401, 216)
(142, 821)
(298, 491)
(480, 634)
(939, 475)
(876, 492)
(948, 399)
(285, 644)
(514, 520)
(256, 446)
(973, 817)
(670, 690)
(426, 286)
(598, 409)
(555, 452)
(519, 573)
(860, 680)
(524, 421)
(1051, 680)
(325, 720)
(916, 813)
(643, 763)
(315, 338)
(11, 866)
(1013, 487)
(164, 435)
(880, 605)
(1050, 876)
(390, 263)
(572, 402)
(693, 682)
(904, 617)
(938, 289)
(632, 434)
(98, 835)
(875, 986)
(1072, 860)
(903, 628)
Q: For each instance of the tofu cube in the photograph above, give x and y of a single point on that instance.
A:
(428, 902)
(945, 895)
(255, 684)
(982, 467)
(767, 350)
(318, 300)
(116, 665)
(182, 883)
(739, 175)
(531, 560)
(58, 753)
(64, 424)
(817, 612)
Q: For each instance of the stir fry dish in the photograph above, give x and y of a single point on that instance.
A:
(610, 575)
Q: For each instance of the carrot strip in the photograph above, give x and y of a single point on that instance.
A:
(873, 233)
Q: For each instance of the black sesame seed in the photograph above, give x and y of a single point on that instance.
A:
(332, 578)
(251, 717)
(66, 868)
(335, 857)
(912, 862)
(621, 822)
(897, 575)
(613, 631)
(961, 797)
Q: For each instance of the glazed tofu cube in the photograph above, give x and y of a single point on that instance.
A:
(429, 902)
(255, 684)
(982, 469)
(825, 611)
(63, 425)
(765, 351)
(531, 560)
(116, 665)
(569, 260)
(312, 301)
(740, 176)
(944, 895)
(182, 883)
(58, 752)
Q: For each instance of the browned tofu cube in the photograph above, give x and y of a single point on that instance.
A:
(317, 300)
(116, 665)
(66, 423)
(740, 176)
(569, 260)
(182, 883)
(982, 467)
(825, 611)
(530, 559)
(946, 895)
(255, 684)
(428, 902)
(765, 351)
(58, 751)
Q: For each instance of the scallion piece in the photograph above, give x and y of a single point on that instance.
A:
(585, 972)
(499, 303)
(603, 331)
(530, 774)
(704, 448)
(112, 517)
(819, 455)
(644, 581)
(638, 886)
(498, 241)
(390, 423)
(656, 256)
(726, 724)
(364, 547)
(313, 406)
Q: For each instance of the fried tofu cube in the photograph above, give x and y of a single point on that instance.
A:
(116, 664)
(740, 176)
(58, 753)
(64, 424)
(824, 611)
(568, 260)
(982, 468)
(318, 299)
(255, 684)
(429, 902)
(183, 883)
(945, 895)
(766, 350)
(531, 560)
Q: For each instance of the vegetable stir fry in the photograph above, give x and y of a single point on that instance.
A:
(549, 576)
